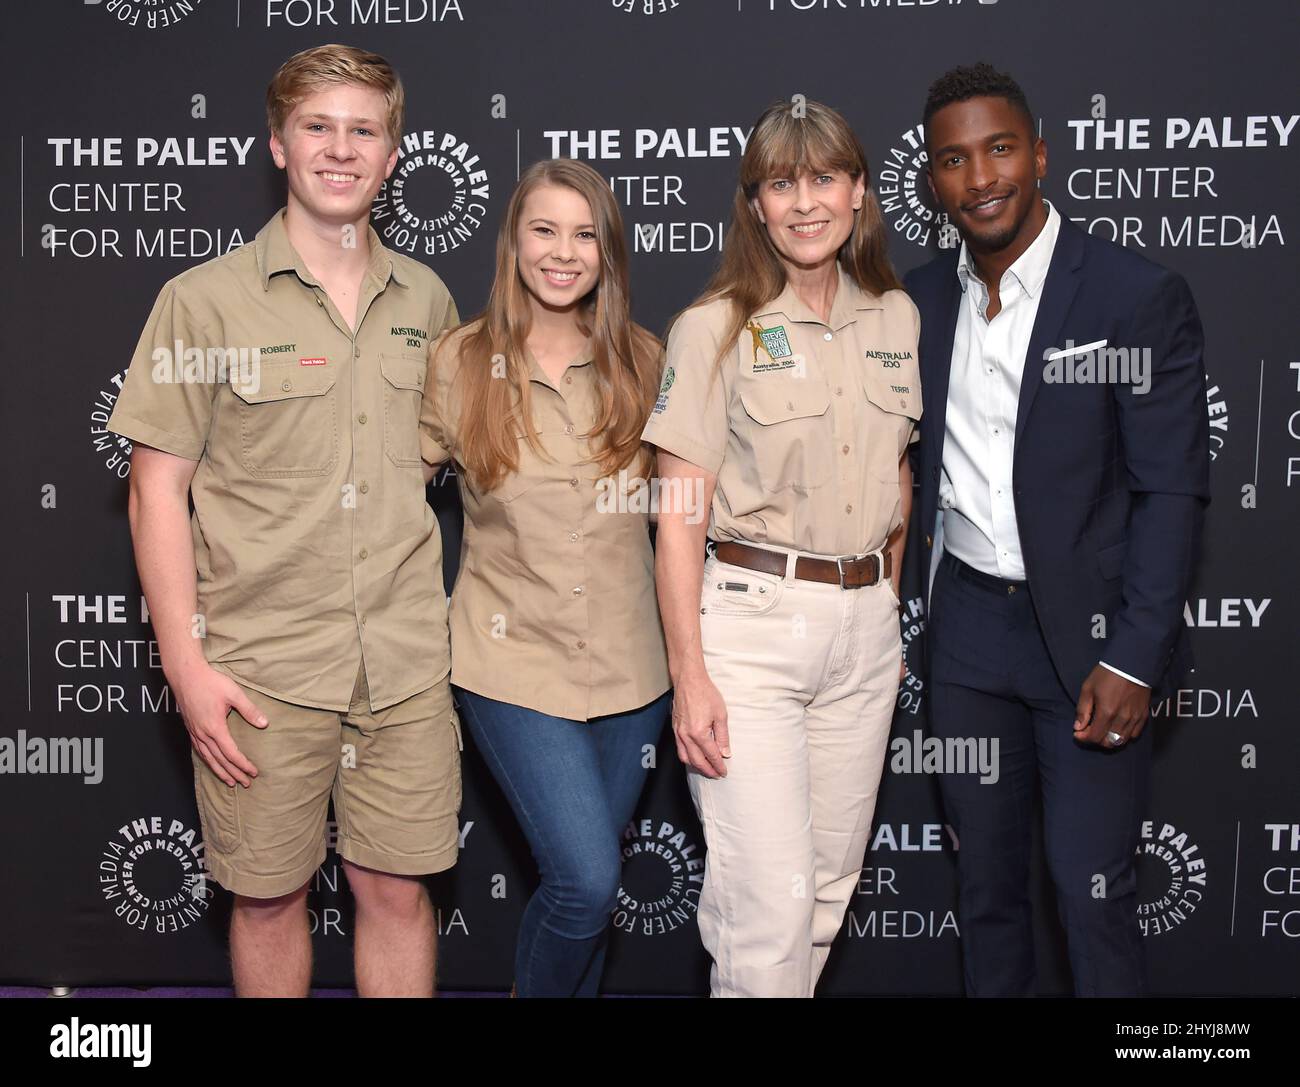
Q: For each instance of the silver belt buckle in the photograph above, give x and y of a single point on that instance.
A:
(839, 565)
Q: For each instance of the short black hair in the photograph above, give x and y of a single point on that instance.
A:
(974, 81)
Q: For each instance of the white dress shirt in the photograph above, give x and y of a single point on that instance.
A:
(976, 499)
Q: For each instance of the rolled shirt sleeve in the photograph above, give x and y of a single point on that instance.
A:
(437, 437)
(166, 400)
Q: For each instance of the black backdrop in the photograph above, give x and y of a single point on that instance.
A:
(1169, 123)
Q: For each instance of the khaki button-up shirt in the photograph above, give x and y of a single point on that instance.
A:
(554, 606)
(804, 423)
(314, 544)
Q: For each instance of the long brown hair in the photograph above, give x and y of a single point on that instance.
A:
(625, 356)
(786, 143)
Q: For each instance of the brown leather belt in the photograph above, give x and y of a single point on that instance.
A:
(847, 571)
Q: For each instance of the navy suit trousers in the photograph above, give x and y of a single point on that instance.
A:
(991, 677)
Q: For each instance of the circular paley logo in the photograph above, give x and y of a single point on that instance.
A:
(905, 198)
(153, 875)
(1216, 408)
(642, 7)
(150, 14)
(912, 626)
(663, 871)
(113, 450)
(436, 198)
(1171, 878)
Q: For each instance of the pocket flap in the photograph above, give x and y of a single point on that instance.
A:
(284, 383)
(793, 399)
(404, 371)
(898, 395)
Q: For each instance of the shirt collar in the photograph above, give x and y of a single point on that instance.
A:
(536, 373)
(276, 254)
(1030, 268)
(850, 299)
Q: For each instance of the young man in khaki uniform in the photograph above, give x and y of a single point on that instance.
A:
(300, 617)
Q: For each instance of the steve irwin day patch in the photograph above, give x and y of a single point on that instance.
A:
(775, 344)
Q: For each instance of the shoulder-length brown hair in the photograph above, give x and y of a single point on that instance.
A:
(625, 356)
(787, 143)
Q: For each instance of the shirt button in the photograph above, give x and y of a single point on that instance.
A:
(356, 352)
(578, 590)
(829, 336)
(286, 386)
(365, 487)
(848, 509)
(361, 418)
(568, 428)
(995, 430)
(839, 390)
(582, 645)
(568, 379)
(363, 620)
(573, 536)
(844, 449)
(362, 553)
(789, 405)
(573, 483)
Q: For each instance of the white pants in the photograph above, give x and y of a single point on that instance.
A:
(809, 673)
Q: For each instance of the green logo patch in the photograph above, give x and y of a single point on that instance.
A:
(670, 375)
(775, 342)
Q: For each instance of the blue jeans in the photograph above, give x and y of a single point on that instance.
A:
(573, 786)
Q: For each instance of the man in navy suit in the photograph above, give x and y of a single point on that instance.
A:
(1064, 474)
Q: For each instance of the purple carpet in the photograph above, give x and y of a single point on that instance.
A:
(191, 991)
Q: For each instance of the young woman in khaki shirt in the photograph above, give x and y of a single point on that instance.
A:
(557, 652)
(790, 394)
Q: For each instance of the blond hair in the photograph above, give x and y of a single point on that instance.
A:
(329, 65)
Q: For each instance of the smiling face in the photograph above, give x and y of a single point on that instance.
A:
(336, 151)
(985, 164)
(558, 250)
(809, 217)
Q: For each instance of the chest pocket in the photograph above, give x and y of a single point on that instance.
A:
(531, 472)
(789, 431)
(563, 459)
(897, 395)
(288, 424)
(404, 377)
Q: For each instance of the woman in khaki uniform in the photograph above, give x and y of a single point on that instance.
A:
(790, 392)
(557, 652)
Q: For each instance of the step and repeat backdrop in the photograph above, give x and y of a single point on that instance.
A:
(139, 149)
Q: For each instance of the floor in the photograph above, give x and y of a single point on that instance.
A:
(124, 991)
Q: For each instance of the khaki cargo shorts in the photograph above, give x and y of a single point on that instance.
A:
(394, 776)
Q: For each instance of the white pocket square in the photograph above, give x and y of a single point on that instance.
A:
(1082, 349)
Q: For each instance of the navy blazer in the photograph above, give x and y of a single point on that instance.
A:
(1110, 485)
